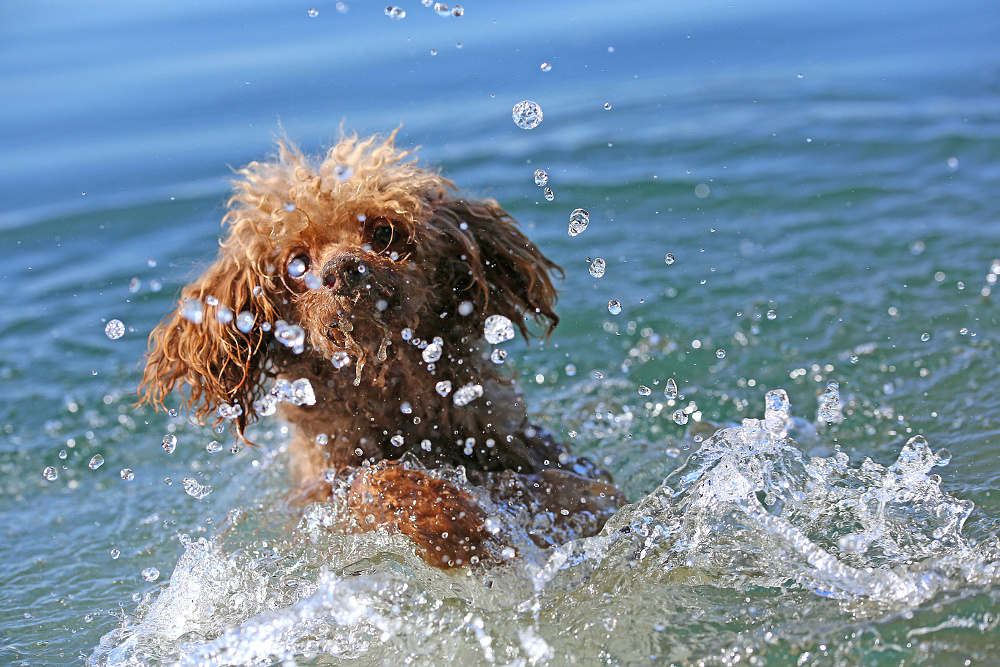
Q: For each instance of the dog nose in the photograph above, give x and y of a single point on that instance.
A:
(344, 273)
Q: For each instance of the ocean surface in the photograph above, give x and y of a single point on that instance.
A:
(826, 180)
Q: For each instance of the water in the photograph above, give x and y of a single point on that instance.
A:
(810, 189)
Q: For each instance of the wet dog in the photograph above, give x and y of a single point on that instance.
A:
(359, 295)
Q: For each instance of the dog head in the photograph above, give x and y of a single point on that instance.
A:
(334, 259)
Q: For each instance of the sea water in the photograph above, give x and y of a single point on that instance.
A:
(809, 190)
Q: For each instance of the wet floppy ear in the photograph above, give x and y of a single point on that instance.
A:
(510, 275)
(199, 347)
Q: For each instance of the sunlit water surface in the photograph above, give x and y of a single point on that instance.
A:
(824, 185)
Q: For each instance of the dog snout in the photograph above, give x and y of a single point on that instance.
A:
(344, 274)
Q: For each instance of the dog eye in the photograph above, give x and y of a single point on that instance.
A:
(382, 238)
(298, 266)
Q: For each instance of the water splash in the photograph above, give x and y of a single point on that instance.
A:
(299, 392)
(748, 514)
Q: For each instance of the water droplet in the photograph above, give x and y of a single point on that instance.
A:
(607, 106)
(244, 321)
(192, 310)
(830, 409)
(406, 334)
(680, 417)
(527, 114)
(425, 445)
(498, 329)
(223, 315)
(548, 194)
(570, 370)
(644, 390)
(771, 315)
(943, 457)
(925, 337)
(127, 474)
(313, 13)
(433, 351)
(465, 308)
(578, 221)
(96, 461)
(443, 387)
(466, 394)
(297, 267)
(134, 285)
(227, 411)
(396, 440)
(498, 356)
(115, 554)
(169, 443)
(194, 489)
(669, 259)
(50, 473)
(777, 412)
(340, 358)
(395, 13)
(214, 446)
(721, 354)
(541, 178)
(614, 307)
(114, 330)
(457, 10)
(441, 9)
(290, 335)
(63, 454)
(150, 574)
(670, 390)
(597, 268)
(546, 67)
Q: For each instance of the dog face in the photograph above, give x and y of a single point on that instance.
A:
(354, 249)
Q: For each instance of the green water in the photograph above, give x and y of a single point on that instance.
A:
(849, 157)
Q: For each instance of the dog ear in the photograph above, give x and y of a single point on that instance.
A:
(201, 346)
(509, 275)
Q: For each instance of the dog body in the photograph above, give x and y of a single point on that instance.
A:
(357, 289)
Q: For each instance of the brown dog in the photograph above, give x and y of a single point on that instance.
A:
(366, 283)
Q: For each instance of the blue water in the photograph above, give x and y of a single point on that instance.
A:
(850, 157)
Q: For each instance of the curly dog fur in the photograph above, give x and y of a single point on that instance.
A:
(357, 271)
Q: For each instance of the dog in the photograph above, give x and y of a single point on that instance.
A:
(353, 294)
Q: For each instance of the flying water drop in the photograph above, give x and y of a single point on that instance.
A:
(670, 390)
(578, 221)
(498, 329)
(114, 330)
(527, 115)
